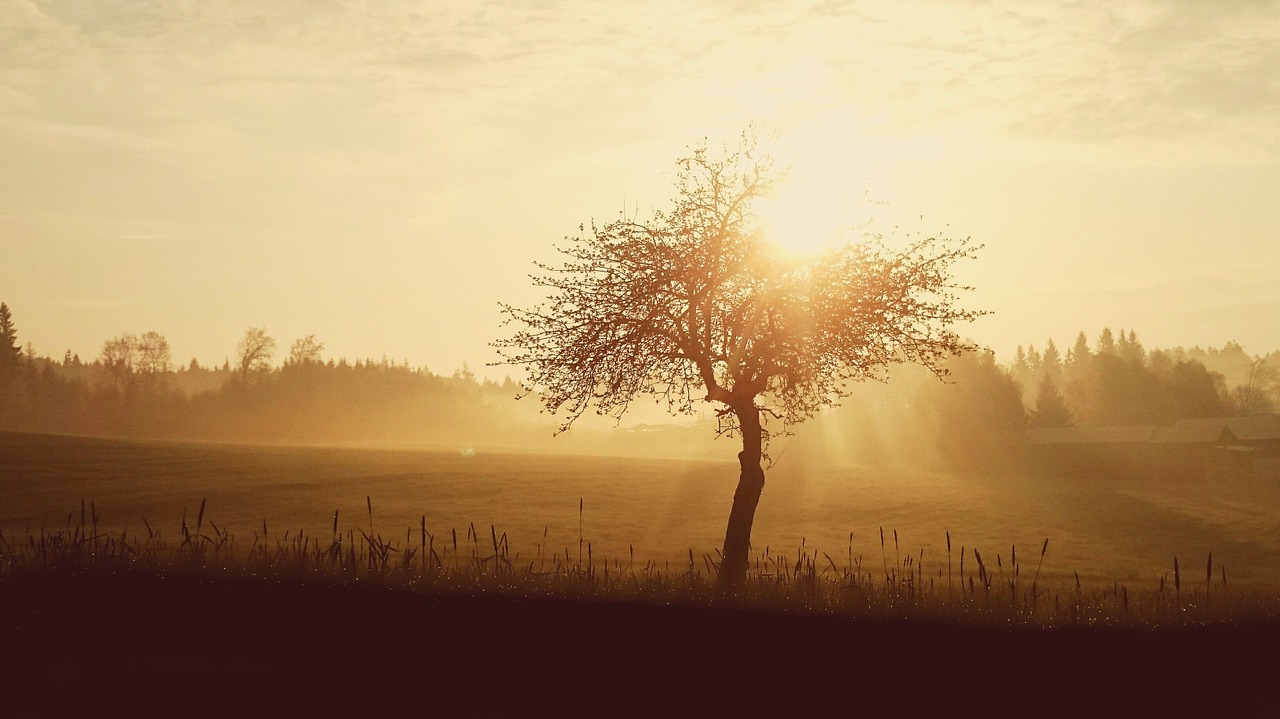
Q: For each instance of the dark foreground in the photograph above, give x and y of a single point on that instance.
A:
(184, 645)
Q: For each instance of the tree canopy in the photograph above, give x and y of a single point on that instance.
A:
(254, 352)
(696, 304)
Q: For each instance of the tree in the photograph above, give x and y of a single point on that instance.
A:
(1035, 362)
(1254, 395)
(1106, 342)
(1077, 376)
(1078, 356)
(120, 357)
(153, 354)
(464, 374)
(10, 364)
(1051, 361)
(695, 305)
(1188, 389)
(1051, 408)
(305, 351)
(1020, 366)
(1020, 369)
(10, 349)
(979, 420)
(254, 352)
(1132, 351)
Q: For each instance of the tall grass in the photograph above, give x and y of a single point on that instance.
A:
(807, 579)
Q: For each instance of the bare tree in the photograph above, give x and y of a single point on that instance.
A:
(695, 305)
(1254, 396)
(304, 351)
(254, 352)
(134, 362)
(153, 354)
(120, 358)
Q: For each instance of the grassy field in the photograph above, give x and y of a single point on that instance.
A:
(173, 619)
(658, 510)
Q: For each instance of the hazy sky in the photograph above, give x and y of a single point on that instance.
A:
(381, 174)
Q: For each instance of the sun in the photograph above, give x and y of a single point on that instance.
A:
(804, 216)
(820, 202)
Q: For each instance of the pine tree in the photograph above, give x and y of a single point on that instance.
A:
(1078, 376)
(10, 350)
(1079, 355)
(1021, 370)
(1020, 366)
(1034, 361)
(1106, 344)
(1051, 408)
(9, 347)
(1051, 361)
(1131, 350)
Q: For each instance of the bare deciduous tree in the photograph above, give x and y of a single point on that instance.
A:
(120, 359)
(1254, 395)
(153, 354)
(136, 363)
(304, 351)
(254, 352)
(695, 305)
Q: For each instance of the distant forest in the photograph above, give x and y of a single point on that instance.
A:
(134, 389)
(977, 417)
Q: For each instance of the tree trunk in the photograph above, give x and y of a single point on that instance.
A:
(737, 537)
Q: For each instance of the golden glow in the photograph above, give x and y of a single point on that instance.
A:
(152, 170)
(821, 200)
(805, 215)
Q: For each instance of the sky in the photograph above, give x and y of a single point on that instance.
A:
(383, 174)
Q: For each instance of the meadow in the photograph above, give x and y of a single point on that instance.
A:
(484, 583)
(644, 510)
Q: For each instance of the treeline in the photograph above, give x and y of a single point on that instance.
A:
(133, 389)
(975, 416)
(1115, 381)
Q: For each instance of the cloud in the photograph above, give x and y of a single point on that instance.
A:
(1154, 74)
(367, 136)
(1167, 78)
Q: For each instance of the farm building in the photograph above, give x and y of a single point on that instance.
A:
(1255, 448)
(1190, 448)
(1091, 450)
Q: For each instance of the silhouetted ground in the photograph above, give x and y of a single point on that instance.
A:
(246, 647)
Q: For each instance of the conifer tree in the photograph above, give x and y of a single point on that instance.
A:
(1020, 366)
(1077, 379)
(1131, 350)
(1051, 361)
(1078, 356)
(1034, 361)
(1051, 408)
(1106, 344)
(10, 349)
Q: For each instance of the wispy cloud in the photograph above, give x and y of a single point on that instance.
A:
(316, 138)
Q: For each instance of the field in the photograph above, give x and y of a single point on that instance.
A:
(475, 653)
(657, 510)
